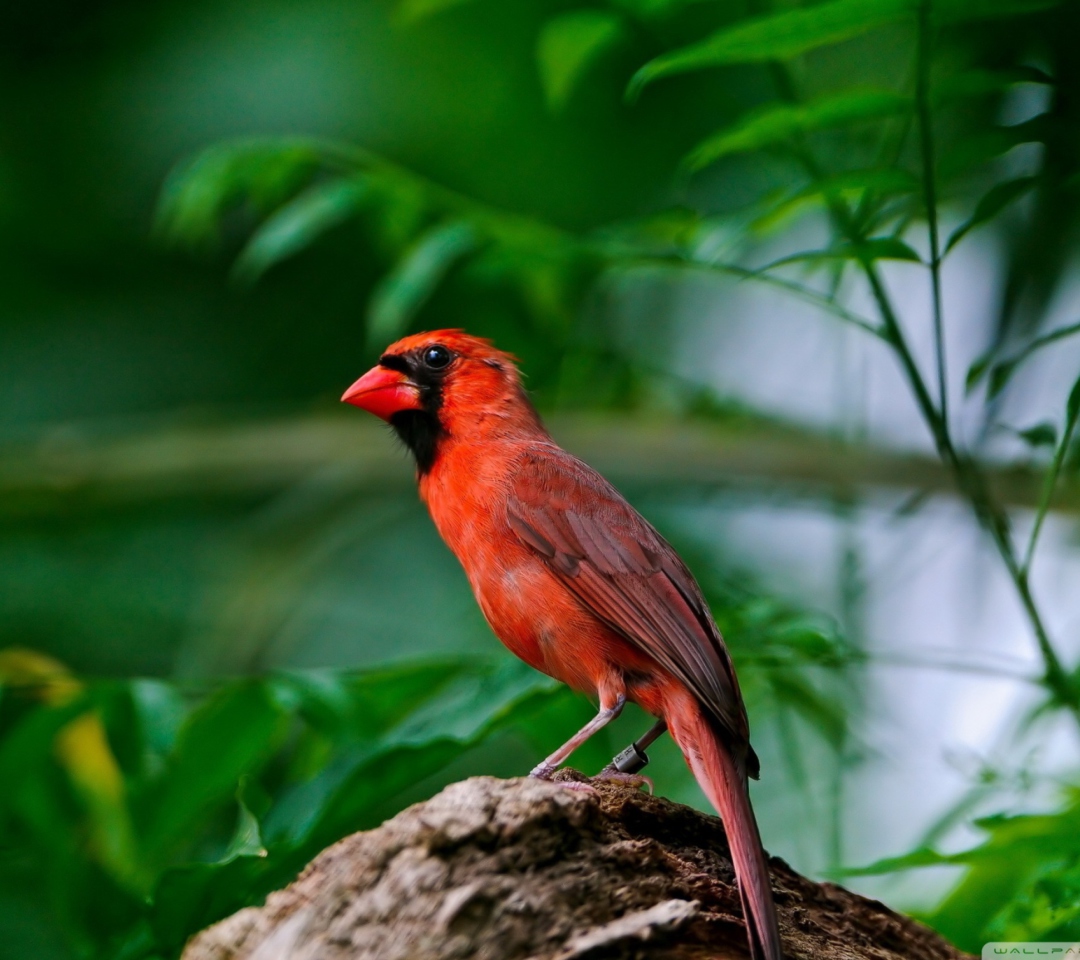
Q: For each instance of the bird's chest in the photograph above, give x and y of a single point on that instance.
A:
(526, 608)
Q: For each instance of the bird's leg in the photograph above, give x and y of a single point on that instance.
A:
(544, 770)
(625, 765)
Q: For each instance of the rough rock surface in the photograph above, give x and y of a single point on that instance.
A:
(506, 869)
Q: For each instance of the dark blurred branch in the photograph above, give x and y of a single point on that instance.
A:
(85, 467)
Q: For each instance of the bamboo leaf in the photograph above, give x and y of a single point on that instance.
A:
(1001, 373)
(198, 193)
(885, 248)
(879, 248)
(1072, 408)
(297, 225)
(884, 183)
(408, 286)
(977, 371)
(568, 45)
(993, 202)
(778, 36)
(923, 857)
(777, 124)
(1041, 435)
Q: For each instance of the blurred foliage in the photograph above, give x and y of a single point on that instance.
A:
(137, 812)
(545, 156)
(1022, 883)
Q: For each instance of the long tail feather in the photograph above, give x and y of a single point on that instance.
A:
(724, 784)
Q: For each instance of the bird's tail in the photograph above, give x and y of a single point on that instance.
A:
(724, 784)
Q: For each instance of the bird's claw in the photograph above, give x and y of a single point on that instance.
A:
(545, 771)
(610, 775)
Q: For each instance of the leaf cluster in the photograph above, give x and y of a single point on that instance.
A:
(141, 812)
(1022, 883)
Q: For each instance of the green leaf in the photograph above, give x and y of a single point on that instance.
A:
(776, 124)
(297, 224)
(1000, 375)
(229, 736)
(992, 203)
(27, 767)
(192, 896)
(1072, 407)
(247, 838)
(199, 192)
(1005, 872)
(1047, 907)
(849, 187)
(474, 704)
(568, 45)
(160, 714)
(778, 36)
(977, 371)
(923, 857)
(409, 285)
(365, 705)
(885, 248)
(1041, 435)
(882, 183)
(346, 796)
(879, 248)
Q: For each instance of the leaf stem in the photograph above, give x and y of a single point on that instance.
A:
(969, 478)
(1049, 484)
(972, 483)
(926, 149)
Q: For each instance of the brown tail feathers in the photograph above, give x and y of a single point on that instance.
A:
(725, 785)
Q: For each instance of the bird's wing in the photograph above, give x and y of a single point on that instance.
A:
(619, 568)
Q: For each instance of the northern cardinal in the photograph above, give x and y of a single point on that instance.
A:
(572, 579)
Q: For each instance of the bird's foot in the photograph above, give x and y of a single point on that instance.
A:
(546, 771)
(610, 775)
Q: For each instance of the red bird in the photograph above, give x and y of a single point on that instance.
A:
(572, 579)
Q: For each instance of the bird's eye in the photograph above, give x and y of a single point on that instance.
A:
(436, 357)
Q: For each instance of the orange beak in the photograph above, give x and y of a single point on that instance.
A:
(383, 392)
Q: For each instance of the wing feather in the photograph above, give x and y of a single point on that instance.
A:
(620, 569)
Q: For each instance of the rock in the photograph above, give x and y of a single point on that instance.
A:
(529, 870)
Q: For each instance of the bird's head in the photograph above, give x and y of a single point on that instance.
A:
(446, 383)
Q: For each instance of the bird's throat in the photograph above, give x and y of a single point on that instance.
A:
(420, 431)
